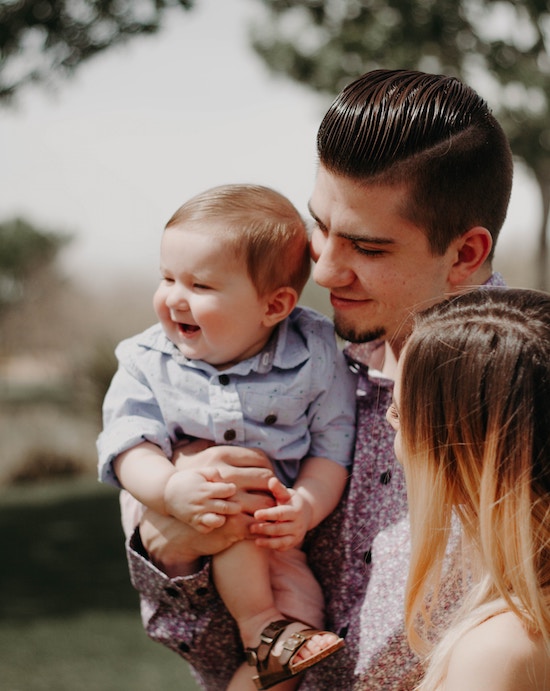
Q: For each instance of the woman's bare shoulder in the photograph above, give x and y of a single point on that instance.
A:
(499, 655)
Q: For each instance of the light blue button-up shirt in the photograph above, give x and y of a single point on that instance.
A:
(295, 398)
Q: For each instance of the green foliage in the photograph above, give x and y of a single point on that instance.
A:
(24, 250)
(325, 44)
(39, 38)
(69, 617)
(96, 374)
(501, 47)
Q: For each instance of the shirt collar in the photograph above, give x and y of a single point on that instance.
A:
(285, 349)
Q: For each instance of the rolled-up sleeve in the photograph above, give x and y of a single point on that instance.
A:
(187, 615)
(131, 415)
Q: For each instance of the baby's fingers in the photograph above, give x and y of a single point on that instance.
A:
(279, 491)
(275, 514)
(215, 515)
(222, 507)
(221, 490)
(209, 521)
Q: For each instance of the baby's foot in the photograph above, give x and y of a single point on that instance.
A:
(289, 648)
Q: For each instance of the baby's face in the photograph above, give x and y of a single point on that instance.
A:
(206, 301)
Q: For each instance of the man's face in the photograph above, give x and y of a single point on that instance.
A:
(377, 264)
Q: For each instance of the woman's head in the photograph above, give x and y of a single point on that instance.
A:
(474, 423)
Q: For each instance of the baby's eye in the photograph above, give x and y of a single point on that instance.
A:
(201, 286)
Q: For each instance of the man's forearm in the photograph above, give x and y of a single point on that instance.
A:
(169, 545)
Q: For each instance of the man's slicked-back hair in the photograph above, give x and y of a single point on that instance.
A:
(430, 133)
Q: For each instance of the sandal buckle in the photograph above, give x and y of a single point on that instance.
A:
(251, 657)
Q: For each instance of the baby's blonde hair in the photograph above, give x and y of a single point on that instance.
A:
(261, 226)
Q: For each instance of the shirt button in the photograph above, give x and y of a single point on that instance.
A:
(184, 647)
(367, 557)
(179, 433)
(223, 379)
(201, 591)
(385, 477)
(270, 419)
(229, 435)
(172, 592)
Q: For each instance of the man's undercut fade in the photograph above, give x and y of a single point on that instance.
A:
(431, 134)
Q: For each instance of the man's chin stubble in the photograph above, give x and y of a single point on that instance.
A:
(353, 335)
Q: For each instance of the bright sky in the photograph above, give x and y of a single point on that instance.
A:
(117, 148)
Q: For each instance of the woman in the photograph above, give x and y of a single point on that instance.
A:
(472, 415)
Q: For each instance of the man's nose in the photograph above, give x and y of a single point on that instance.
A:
(330, 269)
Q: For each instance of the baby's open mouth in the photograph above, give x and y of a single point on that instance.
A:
(188, 329)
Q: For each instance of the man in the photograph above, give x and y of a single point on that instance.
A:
(412, 188)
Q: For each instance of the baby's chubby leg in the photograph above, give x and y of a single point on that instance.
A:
(242, 577)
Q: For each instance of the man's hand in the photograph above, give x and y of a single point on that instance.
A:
(177, 548)
(248, 469)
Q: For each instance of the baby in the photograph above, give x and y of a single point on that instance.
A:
(234, 361)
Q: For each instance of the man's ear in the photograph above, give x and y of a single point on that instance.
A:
(279, 305)
(470, 253)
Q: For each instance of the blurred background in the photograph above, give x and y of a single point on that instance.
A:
(112, 114)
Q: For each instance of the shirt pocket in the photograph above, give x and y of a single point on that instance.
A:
(275, 409)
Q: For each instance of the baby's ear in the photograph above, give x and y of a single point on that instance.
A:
(279, 304)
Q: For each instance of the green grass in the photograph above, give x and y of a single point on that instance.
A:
(69, 617)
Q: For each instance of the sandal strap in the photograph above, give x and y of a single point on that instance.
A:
(272, 669)
(291, 644)
(268, 637)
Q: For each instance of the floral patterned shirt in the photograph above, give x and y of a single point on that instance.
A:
(359, 554)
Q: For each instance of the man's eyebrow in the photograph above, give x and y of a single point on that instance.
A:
(370, 239)
(315, 217)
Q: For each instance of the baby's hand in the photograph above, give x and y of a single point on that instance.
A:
(200, 499)
(283, 526)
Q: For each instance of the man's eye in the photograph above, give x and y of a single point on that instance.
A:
(367, 252)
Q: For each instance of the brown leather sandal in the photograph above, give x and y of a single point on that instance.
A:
(273, 669)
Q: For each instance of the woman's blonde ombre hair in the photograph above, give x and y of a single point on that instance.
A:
(474, 415)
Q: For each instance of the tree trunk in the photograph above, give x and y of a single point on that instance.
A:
(542, 278)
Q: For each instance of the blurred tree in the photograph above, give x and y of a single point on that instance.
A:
(49, 324)
(41, 38)
(39, 308)
(501, 47)
(24, 251)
